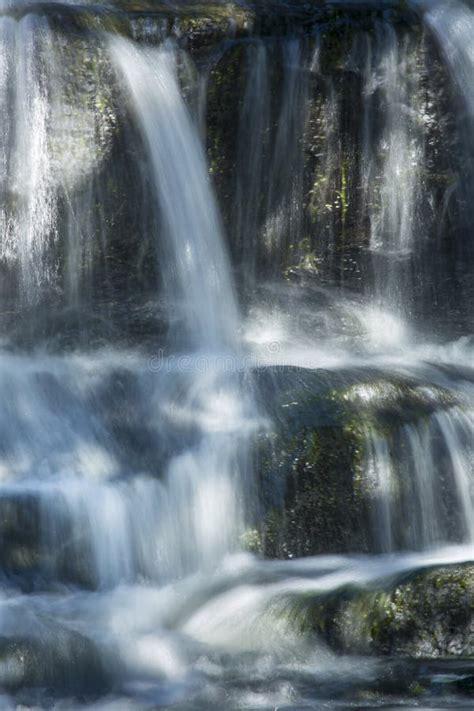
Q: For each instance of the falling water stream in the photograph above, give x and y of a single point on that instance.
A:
(152, 346)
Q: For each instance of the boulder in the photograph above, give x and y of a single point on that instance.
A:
(428, 615)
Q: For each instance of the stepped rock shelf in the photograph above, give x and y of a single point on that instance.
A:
(237, 355)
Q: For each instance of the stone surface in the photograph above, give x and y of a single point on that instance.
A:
(429, 615)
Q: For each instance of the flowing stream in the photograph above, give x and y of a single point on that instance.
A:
(236, 305)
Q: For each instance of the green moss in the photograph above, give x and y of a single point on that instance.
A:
(385, 404)
(429, 615)
(342, 194)
(251, 540)
(322, 506)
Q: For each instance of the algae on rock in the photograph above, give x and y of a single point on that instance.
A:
(428, 615)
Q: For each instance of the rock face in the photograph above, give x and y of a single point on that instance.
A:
(430, 615)
(310, 478)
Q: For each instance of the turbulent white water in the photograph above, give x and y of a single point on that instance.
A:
(211, 641)
(72, 472)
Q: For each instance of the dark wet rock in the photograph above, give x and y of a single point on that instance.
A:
(308, 468)
(39, 552)
(207, 21)
(428, 615)
(19, 533)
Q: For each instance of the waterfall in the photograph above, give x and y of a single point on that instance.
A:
(283, 211)
(407, 473)
(457, 431)
(392, 227)
(452, 25)
(397, 155)
(48, 185)
(204, 483)
(379, 472)
(236, 369)
(31, 225)
(68, 474)
(197, 266)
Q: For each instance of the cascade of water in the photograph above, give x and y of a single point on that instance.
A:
(47, 178)
(70, 467)
(408, 475)
(129, 476)
(203, 482)
(453, 25)
(380, 475)
(425, 490)
(108, 499)
(194, 515)
(7, 51)
(30, 223)
(396, 155)
(367, 156)
(401, 147)
(195, 261)
(457, 429)
(329, 178)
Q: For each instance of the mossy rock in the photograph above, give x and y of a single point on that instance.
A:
(393, 401)
(316, 491)
(324, 510)
(83, 110)
(428, 615)
(308, 468)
